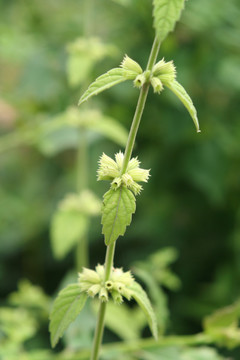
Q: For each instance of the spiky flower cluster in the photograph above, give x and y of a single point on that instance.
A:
(112, 170)
(163, 73)
(93, 283)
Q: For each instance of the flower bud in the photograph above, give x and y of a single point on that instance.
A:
(109, 285)
(156, 84)
(100, 271)
(130, 64)
(117, 298)
(119, 159)
(164, 71)
(140, 80)
(139, 174)
(108, 169)
(94, 290)
(116, 183)
(89, 275)
(103, 295)
(127, 180)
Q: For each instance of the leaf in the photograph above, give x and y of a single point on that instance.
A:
(166, 13)
(222, 325)
(223, 317)
(181, 93)
(67, 228)
(143, 301)
(110, 128)
(202, 353)
(157, 295)
(112, 77)
(66, 308)
(118, 207)
(117, 320)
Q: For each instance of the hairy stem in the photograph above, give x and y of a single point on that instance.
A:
(128, 152)
(101, 314)
(140, 107)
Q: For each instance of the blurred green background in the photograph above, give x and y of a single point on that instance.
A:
(192, 199)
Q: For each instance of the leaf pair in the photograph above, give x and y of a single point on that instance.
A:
(71, 300)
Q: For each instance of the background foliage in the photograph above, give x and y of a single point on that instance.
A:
(192, 200)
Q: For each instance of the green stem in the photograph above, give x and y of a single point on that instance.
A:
(140, 107)
(101, 314)
(99, 331)
(128, 152)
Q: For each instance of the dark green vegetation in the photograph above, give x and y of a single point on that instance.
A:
(191, 202)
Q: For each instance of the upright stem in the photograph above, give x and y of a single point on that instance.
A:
(140, 107)
(101, 314)
(128, 152)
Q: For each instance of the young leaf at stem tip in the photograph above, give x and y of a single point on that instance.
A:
(118, 207)
(68, 304)
(166, 13)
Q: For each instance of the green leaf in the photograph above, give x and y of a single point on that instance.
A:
(67, 228)
(110, 128)
(166, 13)
(117, 320)
(157, 295)
(143, 301)
(202, 353)
(112, 77)
(222, 325)
(118, 207)
(66, 308)
(181, 93)
(223, 317)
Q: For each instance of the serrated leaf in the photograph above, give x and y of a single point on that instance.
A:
(181, 93)
(118, 207)
(67, 228)
(66, 308)
(143, 301)
(166, 13)
(112, 77)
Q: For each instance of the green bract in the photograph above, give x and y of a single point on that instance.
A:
(118, 285)
(112, 170)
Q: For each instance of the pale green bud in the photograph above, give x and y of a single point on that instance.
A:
(139, 174)
(89, 275)
(127, 180)
(84, 285)
(156, 84)
(94, 290)
(126, 293)
(140, 80)
(119, 159)
(131, 65)
(136, 188)
(116, 183)
(163, 67)
(118, 276)
(100, 271)
(133, 164)
(107, 168)
(117, 298)
(103, 295)
(109, 285)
